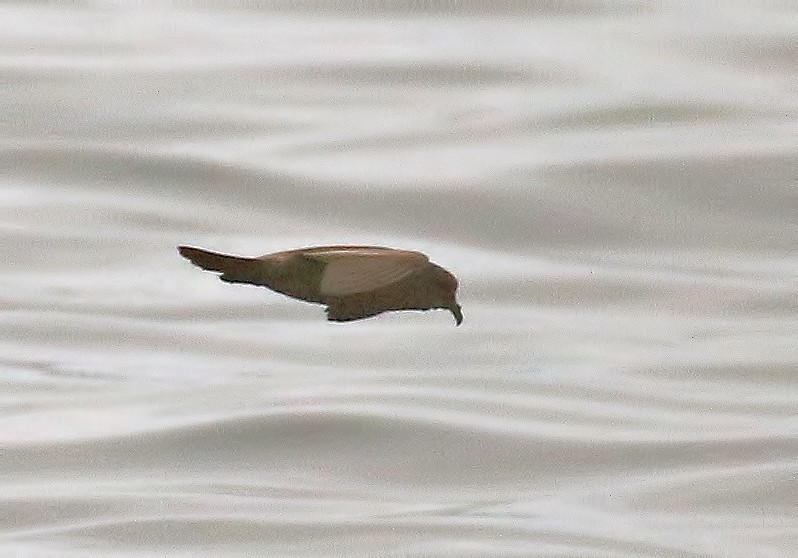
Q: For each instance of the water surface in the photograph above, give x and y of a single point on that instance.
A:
(613, 183)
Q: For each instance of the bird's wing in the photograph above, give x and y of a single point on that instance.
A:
(234, 269)
(362, 270)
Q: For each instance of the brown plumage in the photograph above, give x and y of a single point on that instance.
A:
(354, 282)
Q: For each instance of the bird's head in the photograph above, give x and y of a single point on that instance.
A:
(445, 292)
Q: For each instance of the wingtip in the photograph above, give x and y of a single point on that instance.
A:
(183, 250)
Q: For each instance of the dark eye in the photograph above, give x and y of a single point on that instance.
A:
(444, 280)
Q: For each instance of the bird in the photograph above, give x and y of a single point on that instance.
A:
(354, 282)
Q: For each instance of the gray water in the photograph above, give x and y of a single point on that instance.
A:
(615, 184)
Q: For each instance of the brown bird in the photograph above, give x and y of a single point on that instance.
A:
(354, 282)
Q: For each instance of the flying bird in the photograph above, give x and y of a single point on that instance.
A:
(354, 282)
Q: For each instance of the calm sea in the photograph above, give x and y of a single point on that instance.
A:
(614, 183)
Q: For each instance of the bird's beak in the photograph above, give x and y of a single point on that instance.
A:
(457, 312)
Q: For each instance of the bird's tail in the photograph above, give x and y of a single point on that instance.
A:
(234, 269)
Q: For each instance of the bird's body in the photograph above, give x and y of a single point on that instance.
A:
(354, 282)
